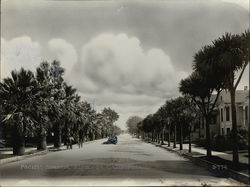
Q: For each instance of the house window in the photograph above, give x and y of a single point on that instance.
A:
(246, 113)
(221, 114)
(227, 113)
(228, 131)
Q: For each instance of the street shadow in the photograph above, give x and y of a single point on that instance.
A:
(113, 167)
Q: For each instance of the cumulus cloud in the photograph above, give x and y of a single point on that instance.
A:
(128, 73)
(19, 52)
(120, 64)
(63, 51)
(115, 70)
(24, 52)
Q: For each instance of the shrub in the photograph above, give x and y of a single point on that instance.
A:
(219, 143)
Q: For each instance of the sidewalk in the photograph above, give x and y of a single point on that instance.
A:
(215, 166)
(6, 154)
(203, 151)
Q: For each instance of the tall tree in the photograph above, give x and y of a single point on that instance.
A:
(70, 117)
(132, 124)
(200, 89)
(165, 112)
(179, 114)
(171, 115)
(41, 102)
(110, 117)
(147, 126)
(57, 105)
(231, 60)
(16, 95)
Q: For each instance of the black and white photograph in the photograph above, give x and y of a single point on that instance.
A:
(124, 93)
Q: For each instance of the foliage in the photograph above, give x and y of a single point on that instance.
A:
(36, 105)
(132, 124)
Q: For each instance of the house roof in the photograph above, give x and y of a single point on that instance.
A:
(241, 96)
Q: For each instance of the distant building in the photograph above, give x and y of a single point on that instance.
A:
(221, 119)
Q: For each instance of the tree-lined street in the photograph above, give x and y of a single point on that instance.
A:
(130, 162)
(124, 93)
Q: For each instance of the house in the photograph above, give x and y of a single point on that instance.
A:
(221, 119)
(242, 110)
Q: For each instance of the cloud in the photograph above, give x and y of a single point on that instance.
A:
(19, 52)
(242, 3)
(115, 70)
(64, 52)
(178, 27)
(139, 72)
(24, 52)
(120, 64)
(244, 79)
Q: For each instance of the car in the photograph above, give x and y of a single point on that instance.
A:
(111, 140)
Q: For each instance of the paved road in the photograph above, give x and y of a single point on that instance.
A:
(130, 162)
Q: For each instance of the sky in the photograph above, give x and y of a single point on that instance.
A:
(126, 55)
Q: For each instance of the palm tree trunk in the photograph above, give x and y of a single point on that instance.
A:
(18, 143)
(181, 137)
(162, 137)
(207, 121)
(189, 141)
(42, 143)
(234, 128)
(174, 136)
(58, 137)
(201, 124)
(169, 136)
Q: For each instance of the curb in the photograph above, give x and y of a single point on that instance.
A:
(212, 167)
(17, 158)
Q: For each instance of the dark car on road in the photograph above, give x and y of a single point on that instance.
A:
(111, 140)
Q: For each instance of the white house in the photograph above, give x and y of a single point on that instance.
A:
(242, 110)
(221, 119)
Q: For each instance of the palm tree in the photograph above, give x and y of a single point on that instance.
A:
(231, 53)
(41, 103)
(200, 89)
(147, 126)
(57, 104)
(16, 95)
(80, 118)
(175, 111)
(159, 120)
(69, 118)
(163, 120)
(232, 58)
(169, 107)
